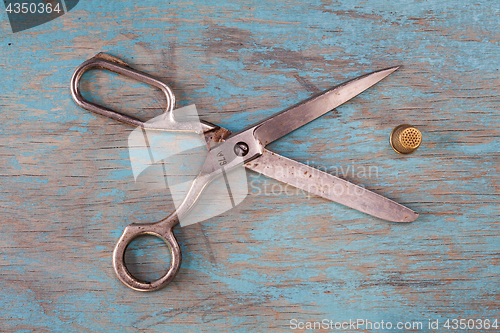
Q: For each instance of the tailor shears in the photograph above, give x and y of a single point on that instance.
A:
(229, 150)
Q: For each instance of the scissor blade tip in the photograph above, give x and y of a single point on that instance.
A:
(394, 68)
(410, 217)
(383, 73)
(406, 217)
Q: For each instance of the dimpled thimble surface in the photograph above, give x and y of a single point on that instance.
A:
(405, 139)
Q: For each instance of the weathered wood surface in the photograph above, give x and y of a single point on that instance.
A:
(67, 189)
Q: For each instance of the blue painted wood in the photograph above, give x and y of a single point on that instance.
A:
(68, 190)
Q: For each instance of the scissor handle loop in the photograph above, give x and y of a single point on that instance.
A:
(163, 230)
(165, 122)
(110, 63)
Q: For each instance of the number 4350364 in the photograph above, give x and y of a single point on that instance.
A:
(471, 324)
(32, 8)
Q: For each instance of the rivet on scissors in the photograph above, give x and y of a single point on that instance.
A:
(241, 149)
(405, 139)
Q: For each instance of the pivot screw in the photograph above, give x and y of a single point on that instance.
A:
(241, 149)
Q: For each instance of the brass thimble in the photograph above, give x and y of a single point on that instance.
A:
(405, 139)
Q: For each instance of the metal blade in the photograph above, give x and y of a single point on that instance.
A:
(290, 119)
(330, 187)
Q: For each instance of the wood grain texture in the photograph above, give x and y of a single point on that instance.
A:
(67, 189)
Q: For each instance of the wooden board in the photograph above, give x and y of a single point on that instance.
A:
(278, 259)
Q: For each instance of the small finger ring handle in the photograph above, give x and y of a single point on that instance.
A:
(163, 230)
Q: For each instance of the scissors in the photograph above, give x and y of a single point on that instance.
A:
(229, 150)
